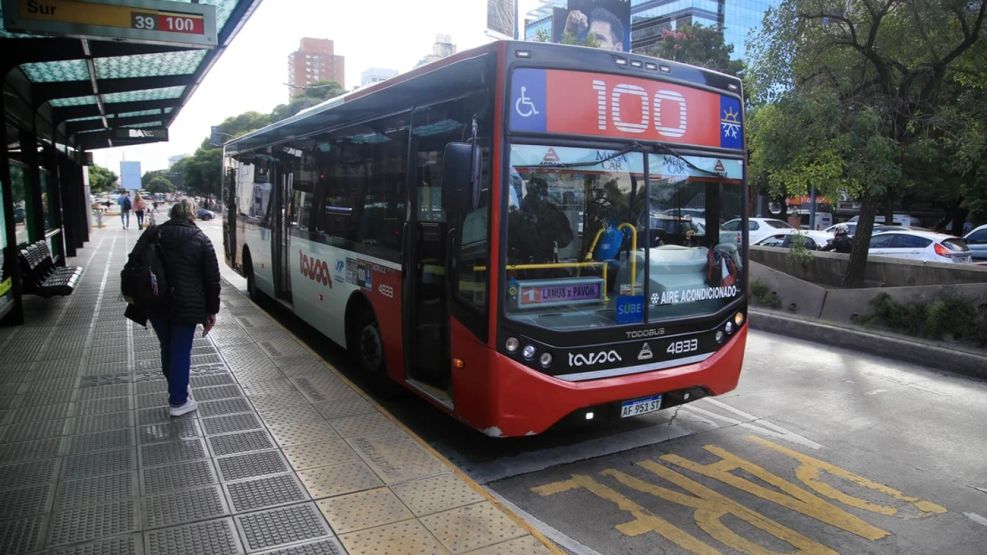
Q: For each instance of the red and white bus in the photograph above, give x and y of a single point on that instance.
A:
(522, 233)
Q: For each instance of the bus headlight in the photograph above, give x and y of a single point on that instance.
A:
(738, 318)
(728, 328)
(512, 344)
(545, 360)
(529, 352)
(719, 336)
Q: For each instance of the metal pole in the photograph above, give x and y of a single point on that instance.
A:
(812, 207)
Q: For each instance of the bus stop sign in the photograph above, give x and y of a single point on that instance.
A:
(147, 21)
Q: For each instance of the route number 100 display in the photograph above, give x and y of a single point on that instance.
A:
(623, 92)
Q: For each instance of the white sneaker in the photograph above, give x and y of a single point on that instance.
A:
(189, 406)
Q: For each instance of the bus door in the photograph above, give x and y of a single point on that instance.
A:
(230, 188)
(426, 328)
(281, 237)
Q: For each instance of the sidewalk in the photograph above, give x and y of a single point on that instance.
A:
(284, 454)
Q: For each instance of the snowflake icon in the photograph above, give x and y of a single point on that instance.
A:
(730, 123)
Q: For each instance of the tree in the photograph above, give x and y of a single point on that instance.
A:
(201, 172)
(697, 45)
(160, 184)
(866, 87)
(312, 95)
(101, 180)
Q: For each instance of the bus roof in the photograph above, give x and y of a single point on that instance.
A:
(363, 103)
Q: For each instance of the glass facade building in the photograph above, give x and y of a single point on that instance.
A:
(736, 18)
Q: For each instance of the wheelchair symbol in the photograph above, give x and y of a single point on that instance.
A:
(525, 102)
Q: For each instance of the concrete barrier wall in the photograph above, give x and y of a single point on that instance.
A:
(827, 269)
(801, 297)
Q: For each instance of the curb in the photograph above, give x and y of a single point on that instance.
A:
(901, 348)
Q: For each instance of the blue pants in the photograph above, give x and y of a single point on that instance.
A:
(125, 218)
(176, 357)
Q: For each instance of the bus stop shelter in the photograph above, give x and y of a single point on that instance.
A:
(85, 75)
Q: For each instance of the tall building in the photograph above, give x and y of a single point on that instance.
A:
(736, 18)
(314, 61)
(442, 48)
(376, 75)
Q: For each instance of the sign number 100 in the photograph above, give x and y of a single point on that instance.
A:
(649, 105)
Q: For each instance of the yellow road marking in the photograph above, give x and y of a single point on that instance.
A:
(810, 471)
(794, 497)
(710, 507)
(644, 521)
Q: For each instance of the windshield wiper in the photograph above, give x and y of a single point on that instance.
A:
(630, 148)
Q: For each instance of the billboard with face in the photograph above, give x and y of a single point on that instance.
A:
(604, 24)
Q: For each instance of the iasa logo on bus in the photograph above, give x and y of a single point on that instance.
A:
(314, 269)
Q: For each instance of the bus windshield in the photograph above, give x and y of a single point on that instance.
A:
(589, 245)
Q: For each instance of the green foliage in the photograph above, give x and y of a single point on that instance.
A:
(313, 94)
(101, 180)
(951, 316)
(902, 318)
(698, 45)
(201, 171)
(870, 100)
(160, 184)
(763, 295)
(541, 35)
(798, 252)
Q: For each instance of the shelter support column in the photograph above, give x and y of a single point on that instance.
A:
(11, 311)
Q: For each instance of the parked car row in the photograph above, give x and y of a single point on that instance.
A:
(886, 240)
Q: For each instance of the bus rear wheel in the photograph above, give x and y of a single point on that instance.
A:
(248, 270)
(368, 351)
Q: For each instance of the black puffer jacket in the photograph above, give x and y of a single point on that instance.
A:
(193, 273)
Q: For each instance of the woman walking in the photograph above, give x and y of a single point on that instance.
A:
(139, 206)
(193, 277)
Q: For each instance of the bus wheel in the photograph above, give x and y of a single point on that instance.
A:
(368, 350)
(248, 269)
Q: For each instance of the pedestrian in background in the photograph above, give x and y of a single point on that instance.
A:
(842, 242)
(139, 207)
(193, 276)
(125, 207)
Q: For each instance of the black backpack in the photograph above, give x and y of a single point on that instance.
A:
(143, 280)
(126, 203)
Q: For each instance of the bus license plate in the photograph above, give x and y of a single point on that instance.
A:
(640, 406)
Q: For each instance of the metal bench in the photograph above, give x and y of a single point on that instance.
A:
(41, 276)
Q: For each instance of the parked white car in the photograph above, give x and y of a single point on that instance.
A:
(814, 240)
(898, 218)
(852, 228)
(920, 245)
(759, 228)
(977, 241)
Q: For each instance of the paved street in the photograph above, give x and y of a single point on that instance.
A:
(818, 449)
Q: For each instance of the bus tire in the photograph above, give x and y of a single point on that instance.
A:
(367, 350)
(248, 271)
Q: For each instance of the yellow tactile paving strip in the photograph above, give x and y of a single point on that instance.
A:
(281, 441)
(380, 487)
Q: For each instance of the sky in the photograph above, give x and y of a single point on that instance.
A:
(251, 73)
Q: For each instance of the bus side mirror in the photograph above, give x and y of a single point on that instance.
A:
(460, 177)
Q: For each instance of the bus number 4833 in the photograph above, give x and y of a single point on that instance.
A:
(684, 346)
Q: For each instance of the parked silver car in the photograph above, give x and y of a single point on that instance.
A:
(977, 241)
